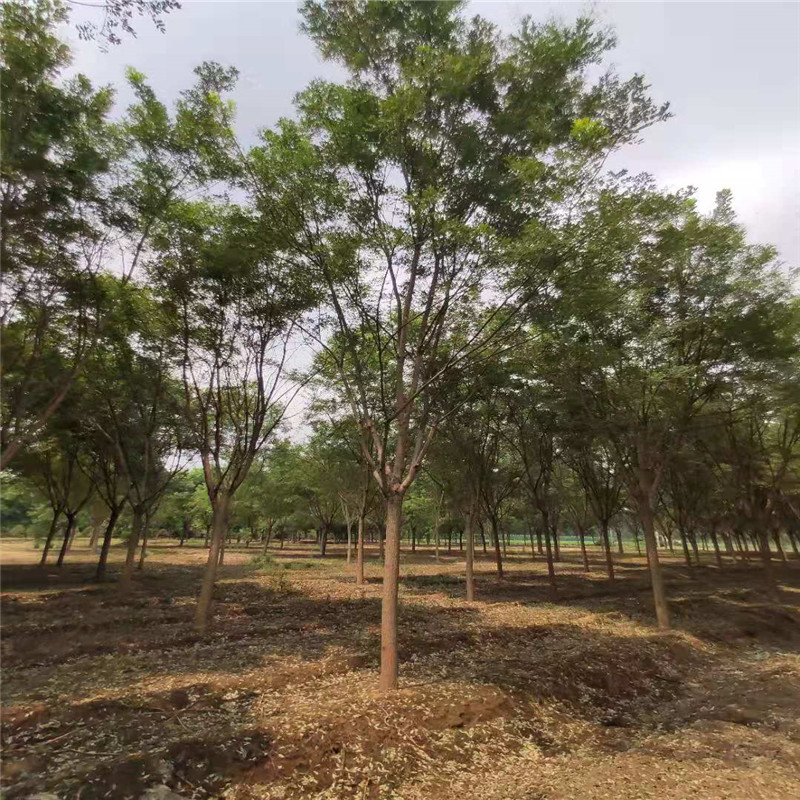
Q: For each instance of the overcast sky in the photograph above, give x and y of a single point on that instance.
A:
(731, 72)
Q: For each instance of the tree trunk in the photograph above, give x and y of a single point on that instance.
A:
(145, 538)
(497, 556)
(186, 530)
(100, 574)
(95, 536)
(584, 554)
(776, 536)
(556, 545)
(49, 540)
(766, 560)
(619, 542)
(68, 533)
(607, 549)
(685, 543)
(349, 556)
(126, 578)
(539, 542)
(323, 541)
(436, 524)
(470, 573)
(360, 551)
(636, 539)
(391, 580)
(551, 571)
(715, 543)
(219, 528)
(413, 539)
(646, 517)
(695, 549)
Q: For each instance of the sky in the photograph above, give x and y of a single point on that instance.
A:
(730, 70)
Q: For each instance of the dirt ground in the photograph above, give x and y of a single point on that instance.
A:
(511, 697)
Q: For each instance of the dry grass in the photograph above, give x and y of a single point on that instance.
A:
(510, 697)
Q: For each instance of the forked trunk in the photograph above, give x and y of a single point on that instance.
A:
(126, 578)
(268, 536)
(391, 580)
(646, 517)
(695, 549)
(68, 534)
(219, 528)
(100, 574)
(49, 540)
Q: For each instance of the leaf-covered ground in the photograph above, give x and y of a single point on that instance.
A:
(510, 697)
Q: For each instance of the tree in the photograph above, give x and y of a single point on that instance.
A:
(672, 308)
(57, 148)
(232, 305)
(391, 182)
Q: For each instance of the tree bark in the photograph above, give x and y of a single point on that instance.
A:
(497, 556)
(145, 538)
(360, 551)
(776, 536)
(126, 578)
(551, 571)
(556, 545)
(436, 524)
(470, 572)
(49, 540)
(646, 517)
(219, 528)
(100, 574)
(715, 543)
(323, 541)
(391, 580)
(607, 549)
(584, 554)
(619, 542)
(68, 533)
(685, 543)
(95, 535)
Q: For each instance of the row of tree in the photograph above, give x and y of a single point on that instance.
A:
(498, 328)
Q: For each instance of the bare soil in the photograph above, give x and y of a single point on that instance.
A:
(511, 697)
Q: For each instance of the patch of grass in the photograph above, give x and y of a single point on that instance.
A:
(264, 561)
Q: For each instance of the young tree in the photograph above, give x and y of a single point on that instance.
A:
(232, 305)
